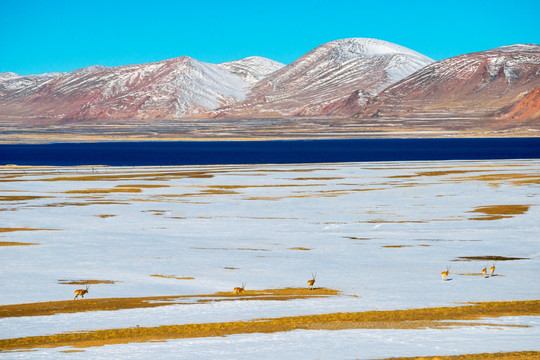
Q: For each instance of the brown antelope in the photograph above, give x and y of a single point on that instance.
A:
(81, 292)
(311, 282)
(445, 274)
(239, 290)
(484, 271)
(492, 270)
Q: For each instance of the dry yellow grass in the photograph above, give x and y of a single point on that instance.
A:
(512, 178)
(70, 306)
(66, 203)
(401, 319)
(496, 212)
(488, 258)
(3, 230)
(146, 176)
(173, 277)
(396, 246)
(86, 282)
(516, 355)
(21, 197)
(300, 248)
(14, 243)
(105, 191)
(433, 173)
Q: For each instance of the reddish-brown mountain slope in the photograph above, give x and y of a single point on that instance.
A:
(468, 90)
(319, 81)
(174, 88)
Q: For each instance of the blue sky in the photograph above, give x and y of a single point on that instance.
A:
(56, 35)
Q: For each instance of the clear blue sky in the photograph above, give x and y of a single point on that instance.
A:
(56, 35)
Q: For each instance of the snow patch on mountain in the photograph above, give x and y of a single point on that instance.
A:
(252, 69)
(519, 47)
(8, 75)
(345, 49)
(328, 75)
(11, 82)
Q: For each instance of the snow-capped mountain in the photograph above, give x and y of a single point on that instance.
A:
(314, 83)
(174, 88)
(384, 84)
(252, 69)
(500, 83)
(12, 82)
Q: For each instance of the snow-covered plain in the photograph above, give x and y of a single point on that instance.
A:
(379, 232)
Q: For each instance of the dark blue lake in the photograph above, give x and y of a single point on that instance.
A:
(268, 152)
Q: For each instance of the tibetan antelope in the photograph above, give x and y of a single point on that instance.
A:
(311, 282)
(81, 292)
(445, 274)
(484, 271)
(492, 270)
(239, 290)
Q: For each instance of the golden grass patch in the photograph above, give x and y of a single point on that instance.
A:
(110, 304)
(497, 212)
(173, 277)
(318, 178)
(105, 191)
(314, 194)
(512, 178)
(21, 197)
(105, 216)
(14, 243)
(488, 258)
(502, 209)
(396, 246)
(396, 319)
(433, 173)
(480, 274)
(68, 203)
(300, 248)
(86, 282)
(3, 230)
(146, 176)
(515, 355)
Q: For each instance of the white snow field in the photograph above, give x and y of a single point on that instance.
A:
(381, 233)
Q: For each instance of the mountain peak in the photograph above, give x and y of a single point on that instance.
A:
(368, 47)
(519, 47)
(252, 69)
(328, 74)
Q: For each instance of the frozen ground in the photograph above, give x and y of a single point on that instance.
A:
(380, 231)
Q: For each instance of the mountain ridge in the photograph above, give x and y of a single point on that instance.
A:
(357, 83)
